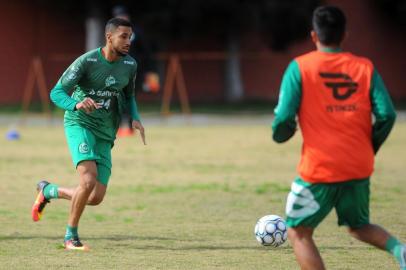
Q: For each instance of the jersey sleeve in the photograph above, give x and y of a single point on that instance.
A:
(69, 79)
(130, 97)
(284, 123)
(60, 98)
(129, 89)
(383, 110)
(73, 74)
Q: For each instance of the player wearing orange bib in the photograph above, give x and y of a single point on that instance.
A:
(334, 94)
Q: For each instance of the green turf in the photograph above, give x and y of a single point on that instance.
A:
(187, 200)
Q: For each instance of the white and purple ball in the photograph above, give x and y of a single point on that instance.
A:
(271, 230)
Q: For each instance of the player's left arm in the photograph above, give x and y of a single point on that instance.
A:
(284, 123)
(383, 110)
(132, 106)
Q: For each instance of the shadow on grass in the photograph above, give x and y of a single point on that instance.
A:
(107, 237)
(172, 244)
(175, 246)
(202, 248)
(169, 244)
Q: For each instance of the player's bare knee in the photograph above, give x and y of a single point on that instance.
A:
(95, 200)
(88, 181)
(298, 233)
(292, 235)
(355, 232)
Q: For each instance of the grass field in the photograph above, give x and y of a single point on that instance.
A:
(187, 200)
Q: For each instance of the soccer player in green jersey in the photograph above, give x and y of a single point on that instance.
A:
(102, 82)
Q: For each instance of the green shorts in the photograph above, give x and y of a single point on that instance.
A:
(308, 204)
(83, 145)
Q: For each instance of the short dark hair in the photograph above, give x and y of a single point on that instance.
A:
(329, 23)
(114, 23)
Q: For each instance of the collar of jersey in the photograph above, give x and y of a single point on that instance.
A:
(331, 50)
(104, 60)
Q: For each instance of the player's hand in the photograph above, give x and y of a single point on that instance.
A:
(88, 105)
(138, 125)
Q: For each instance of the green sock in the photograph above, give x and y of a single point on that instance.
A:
(71, 232)
(51, 191)
(395, 247)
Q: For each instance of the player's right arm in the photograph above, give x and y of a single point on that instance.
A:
(284, 123)
(69, 79)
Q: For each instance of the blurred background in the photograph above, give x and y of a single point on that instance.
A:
(189, 199)
(225, 52)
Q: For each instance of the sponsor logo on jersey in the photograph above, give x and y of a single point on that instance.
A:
(91, 59)
(72, 73)
(342, 88)
(107, 93)
(71, 76)
(129, 62)
(110, 80)
(337, 81)
(103, 93)
(83, 148)
(342, 108)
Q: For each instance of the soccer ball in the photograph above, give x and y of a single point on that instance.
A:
(271, 230)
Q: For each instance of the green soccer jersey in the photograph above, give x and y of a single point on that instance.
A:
(110, 84)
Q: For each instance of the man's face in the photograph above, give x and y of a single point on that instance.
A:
(119, 40)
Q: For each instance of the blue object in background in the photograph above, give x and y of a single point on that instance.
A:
(12, 135)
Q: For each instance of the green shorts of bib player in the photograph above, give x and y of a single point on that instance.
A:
(83, 145)
(308, 204)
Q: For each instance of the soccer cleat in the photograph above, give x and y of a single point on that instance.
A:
(75, 244)
(40, 202)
